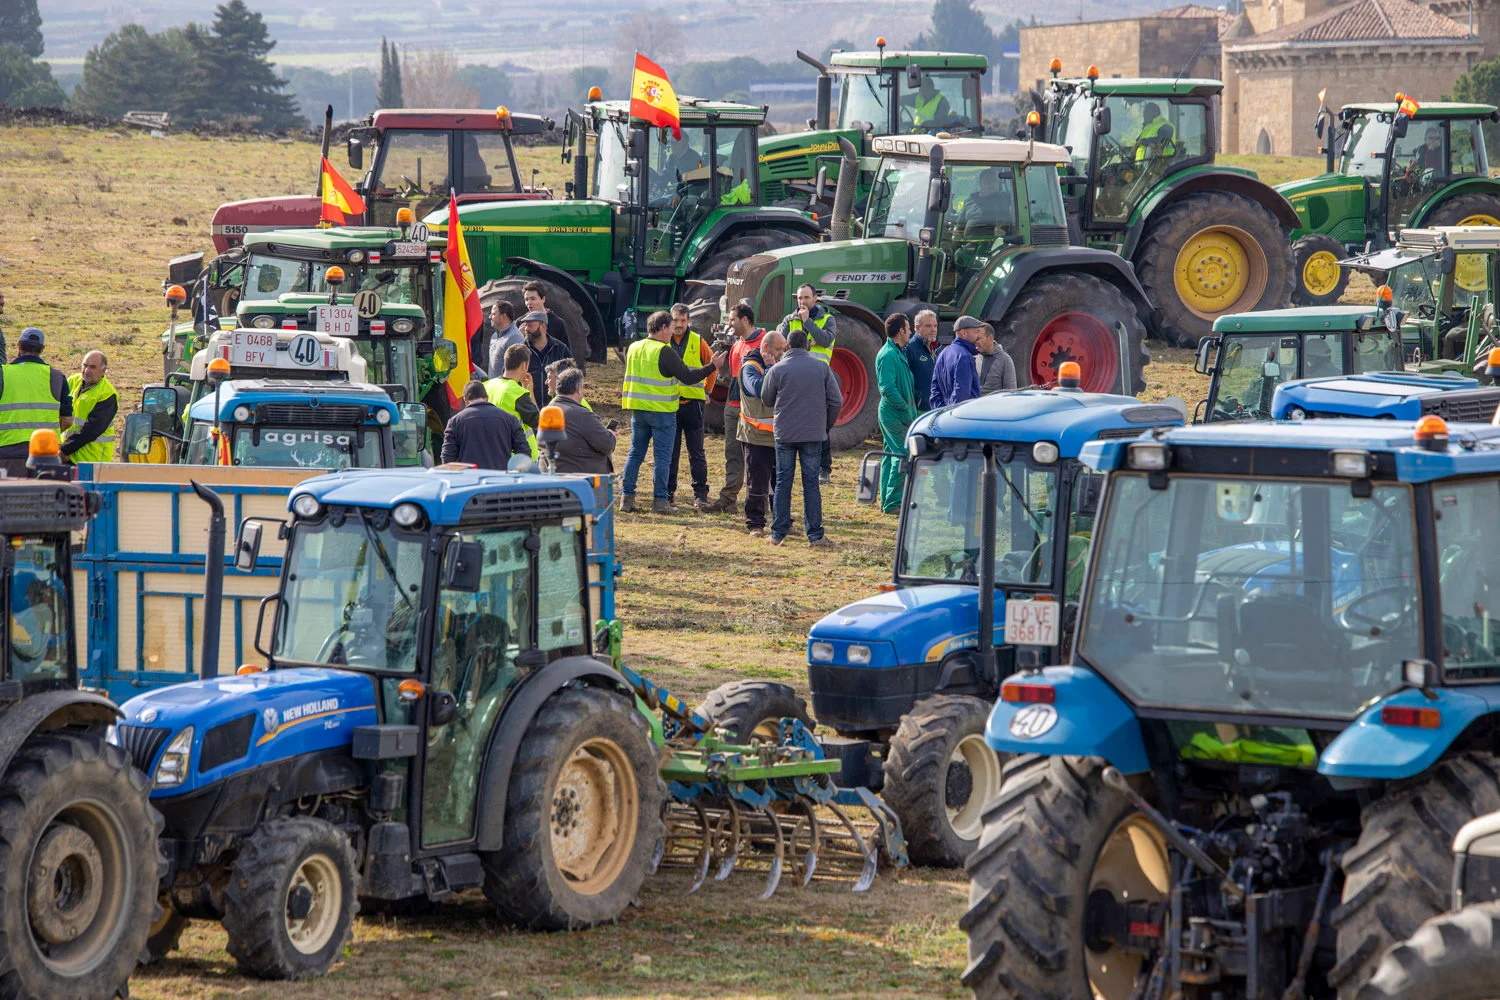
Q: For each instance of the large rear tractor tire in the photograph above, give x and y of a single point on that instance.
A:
(1466, 210)
(582, 815)
(558, 300)
(1072, 317)
(1319, 279)
(1398, 874)
(853, 364)
(939, 776)
(1057, 844)
(78, 869)
(748, 711)
(291, 899)
(1453, 956)
(1208, 255)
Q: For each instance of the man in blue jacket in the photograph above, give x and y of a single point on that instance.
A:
(955, 373)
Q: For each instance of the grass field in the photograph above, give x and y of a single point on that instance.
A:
(92, 218)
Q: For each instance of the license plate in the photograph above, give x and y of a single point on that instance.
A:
(409, 248)
(1032, 623)
(340, 321)
(253, 347)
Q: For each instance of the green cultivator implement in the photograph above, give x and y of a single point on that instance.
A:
(768, 806)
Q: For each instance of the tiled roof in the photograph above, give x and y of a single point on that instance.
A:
(1365, 20)
(1224, 18)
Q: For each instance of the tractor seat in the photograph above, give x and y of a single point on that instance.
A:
(1283, 629)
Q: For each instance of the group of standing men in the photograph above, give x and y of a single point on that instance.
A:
(782, 400)
(35, 396)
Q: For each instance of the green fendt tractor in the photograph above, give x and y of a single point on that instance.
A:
(879, 93)
(649, 220)
(1388, 166)
(962, 226)
(1206, 240)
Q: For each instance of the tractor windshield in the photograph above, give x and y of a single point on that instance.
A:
(307, 447)
(353, 593)
(37, 625)
(898, 203)
(403, 284)
(1364, 150)
(390, 360)
(1471, 634)
(1251, 366)
(947, 102)
(863, 98)
(940, 531)
(1292, 597)
(611, 183)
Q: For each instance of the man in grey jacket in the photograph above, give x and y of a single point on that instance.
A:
(997, 371)
(804, 395)
(589, 446)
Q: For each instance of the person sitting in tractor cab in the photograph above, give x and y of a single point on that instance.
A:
(1154, 140)
(1430, 155)
(927, 107)
(989, 212)
(1317, 359)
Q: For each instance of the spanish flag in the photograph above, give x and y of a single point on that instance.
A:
(652, 99)
(339, 199)
(461, 312)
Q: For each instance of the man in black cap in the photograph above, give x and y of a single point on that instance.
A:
(33, 396)
(544, 351)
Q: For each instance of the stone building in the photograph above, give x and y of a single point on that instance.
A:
(1178, 41)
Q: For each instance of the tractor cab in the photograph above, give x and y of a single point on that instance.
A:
(1396, 395)
(1442, 280)
(1248, 355)
(38, 520)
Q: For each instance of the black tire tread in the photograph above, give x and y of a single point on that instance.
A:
(1449, 212)
(1455, 956)
(1048, 294)
(916, 771)
(738, 707)
(558, 300)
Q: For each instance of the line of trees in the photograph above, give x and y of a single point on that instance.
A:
(25, 81)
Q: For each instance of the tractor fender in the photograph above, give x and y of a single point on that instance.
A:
(705, 242)
(52, 710)
(1015, 272)
(1086, 718)
(529, 267)
(510, 729)
(1373, 749)
(1469, 185)
(1210, 179)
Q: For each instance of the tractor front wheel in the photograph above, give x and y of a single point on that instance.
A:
(748, 711)
(1061, 857)
(1455, 956)
(291, 899)
(939, 776)
(1399, 872)
(1208, 255)
(78, 869)
(582, 815)
(1073, 317)
(1320, 280)
(559, 302)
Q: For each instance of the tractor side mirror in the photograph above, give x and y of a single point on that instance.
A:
(913, 77)
(441, 708)
(868, 487)
(1399, 126)
(1206, 349)
(409, 436)
(247, 545)
(1101, 120)
(937, 194)
(159, 399)
(138, 434)
(356, 153)
(461, 565)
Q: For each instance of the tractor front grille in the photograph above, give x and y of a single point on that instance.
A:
(228, 741)
(301, 415)
(140, 744)
(746, 280)
(521, 506)
(1475, 406)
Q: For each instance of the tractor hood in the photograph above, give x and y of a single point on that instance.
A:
(905, 626)
(871, 272)
(795, 156)
(243, 722)
(575, 236)
(232, 220)
(1324, 199)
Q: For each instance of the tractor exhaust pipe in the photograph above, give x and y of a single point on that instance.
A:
(823, 115)
(989, 491)
(843, 194)
(213, 580)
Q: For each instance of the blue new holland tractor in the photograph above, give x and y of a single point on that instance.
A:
(1397, 395)
(1280, 709)
(994, 527)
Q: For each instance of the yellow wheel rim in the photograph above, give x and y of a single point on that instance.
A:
(1470, 271)
(1320, 273)
(1220, 269)
(1132, 867)
(1480, 219)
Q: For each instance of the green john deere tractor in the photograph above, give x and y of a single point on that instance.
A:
(879, 93)
(650, 219)
(962, 226)
(1206, 240)
(1387, 167)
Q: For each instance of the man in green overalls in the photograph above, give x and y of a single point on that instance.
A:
(898, 407)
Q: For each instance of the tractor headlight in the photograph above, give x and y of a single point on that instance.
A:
(1147, 456)
(306, 505)
(263, 322)
(403, 325)
(407, 515)
(1350, 464)
(821, 651)
(1296, 413)
(382, 417)
(355, 256)
(242, 414)
(172, 769)
(1044, 453)
(859, 655)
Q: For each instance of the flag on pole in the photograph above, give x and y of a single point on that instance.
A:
(461, 312)
(652, 98)
(339, 199)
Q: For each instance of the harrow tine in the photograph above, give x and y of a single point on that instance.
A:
(727, 842)
(809, 821)
(861, 849)
(778, 859)
(700, 868)
(684, 842)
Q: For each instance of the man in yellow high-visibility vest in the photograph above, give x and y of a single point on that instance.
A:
(511, 392)
(821, 338)
(33, 396)
(1155, 137)
(95, 404)
(693, 399)
(654, 377)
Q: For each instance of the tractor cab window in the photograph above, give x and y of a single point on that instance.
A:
(610, 153)
(331, 448)
(398, 284)
(1377, 351)
(413, 172)
(37, 625)
(981, 218)
(898, 202)
(1290, 597)
(200, 444)
(1251, 367)
(943, 102)
(1076, 131)
(479, 635)
(1419, 165)
(1469, 584)
(1148, 137)
(1466, 149)
(486, 166)
(864, 98)
(1364, 150)
(940, 534)
(390, 361)
(353, 594)
(1044, 201)
(680, 190)
(735, 165)
(273, 277)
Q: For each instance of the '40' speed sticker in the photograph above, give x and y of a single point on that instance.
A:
(1033, 721)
